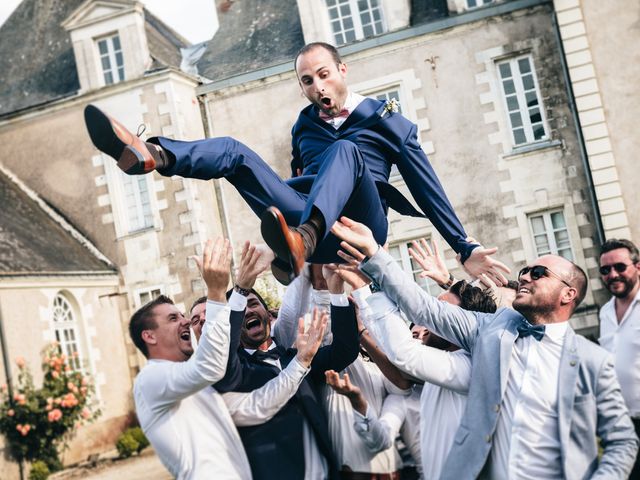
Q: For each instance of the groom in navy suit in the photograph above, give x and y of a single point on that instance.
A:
(344, 146)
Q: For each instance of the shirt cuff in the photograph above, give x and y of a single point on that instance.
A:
(360, 296)
(237, 302)
(213, 315)
(339, 300)
(297, 369)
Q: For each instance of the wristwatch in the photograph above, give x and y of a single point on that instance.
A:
(242, 291)
(447, 286)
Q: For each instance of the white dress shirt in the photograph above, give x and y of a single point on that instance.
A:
(526, 444)
(185, 419)
(623, 341)
(351, 103)
(410, 430)
(446, 375)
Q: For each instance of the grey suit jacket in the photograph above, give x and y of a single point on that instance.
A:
(590, 403)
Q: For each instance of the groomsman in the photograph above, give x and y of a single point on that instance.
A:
(540, 396)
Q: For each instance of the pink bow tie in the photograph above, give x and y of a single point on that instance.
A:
(344, 113)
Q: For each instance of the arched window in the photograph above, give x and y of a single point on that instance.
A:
(67, 332)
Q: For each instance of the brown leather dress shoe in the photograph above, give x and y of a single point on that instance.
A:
(286, 243)
(132, 154)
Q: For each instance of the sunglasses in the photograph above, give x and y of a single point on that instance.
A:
(539, 271)
(618, 267)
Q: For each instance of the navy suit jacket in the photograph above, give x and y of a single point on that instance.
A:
(275, 448)
(385, 139)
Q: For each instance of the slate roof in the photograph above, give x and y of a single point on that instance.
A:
(32, 241)
(253, 34)
(36, 56)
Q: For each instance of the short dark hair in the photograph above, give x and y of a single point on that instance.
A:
(143, 320)
(251, 290)
(312, 46)
(473, 298)
(512, 284)
(198, 301)
(579, 282)
(615, 243)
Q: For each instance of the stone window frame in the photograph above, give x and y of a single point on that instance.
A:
(407, 263)
(114, 67)
(357, 27)
(520, 93)
(550, 232)
(116, 185)
(147, 291)
(66, 323)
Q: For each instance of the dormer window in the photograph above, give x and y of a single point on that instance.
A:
(355, 19)
(111, 59)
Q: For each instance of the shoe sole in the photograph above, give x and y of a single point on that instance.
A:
(282, 272)
(272, 227)
(101, 132)
(104, 138)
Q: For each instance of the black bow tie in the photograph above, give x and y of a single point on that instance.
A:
(266, 355)
(525, 329)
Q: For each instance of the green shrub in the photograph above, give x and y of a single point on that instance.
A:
(126, 445)
(138, 436)
(39, 471)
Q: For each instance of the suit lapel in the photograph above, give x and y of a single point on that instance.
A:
(567, 378)
(365, 114)
(507, 339)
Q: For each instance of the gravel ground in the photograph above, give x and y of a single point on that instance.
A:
(145, 465)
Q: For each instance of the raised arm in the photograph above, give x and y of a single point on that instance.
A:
(448, 370)
(208, 364)
(448, 321)
(295, 303)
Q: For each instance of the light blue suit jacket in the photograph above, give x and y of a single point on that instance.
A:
(590, 403)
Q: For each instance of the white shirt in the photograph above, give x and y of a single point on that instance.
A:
(623, 341)
(410, 430)
(526, 444)
(185, 419)
(352, 449)
(350, 104)
(447, 376)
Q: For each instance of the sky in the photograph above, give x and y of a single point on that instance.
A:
(193, 19)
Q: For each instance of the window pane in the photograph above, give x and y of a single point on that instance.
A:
(105, 63)
(516, 120)
(524, 66)
(350, 36)
(509, 87)
(537, 224)
(116, 42)
(527, 82)
(471, 3)
(347, 23)
(505, 70)
(532, 99)
(102, 47)
(108, 78)
(519, 136)
(345, 11)
(534, 115)
(566, 253)
(557, 220)
(331, 3)
(512, 103)
(538, 132)
(367, 31)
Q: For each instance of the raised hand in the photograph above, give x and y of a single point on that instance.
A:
(350, 274)
(480, 262)
(253, 261)
(355, 234)
(335, 283)
(307, 343)
(343, 386)
(214, 266)
(432, 263)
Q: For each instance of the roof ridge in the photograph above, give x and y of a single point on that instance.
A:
(55, 216)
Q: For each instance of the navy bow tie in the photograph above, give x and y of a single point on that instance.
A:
(266, 355)
(525, 329)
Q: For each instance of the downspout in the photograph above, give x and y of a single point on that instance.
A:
(203, 101)
(576, 120)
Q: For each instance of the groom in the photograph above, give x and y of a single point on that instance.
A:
(344, 146)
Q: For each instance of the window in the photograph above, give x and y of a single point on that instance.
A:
(477, 3)
(66, 331)
(550, 234)
(144, 296)
(111, 59)
(522, 100)
(137, 203)
(355, 19)
(400, 253)
(390, 94)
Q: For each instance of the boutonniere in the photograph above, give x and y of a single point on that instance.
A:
(390, 106)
